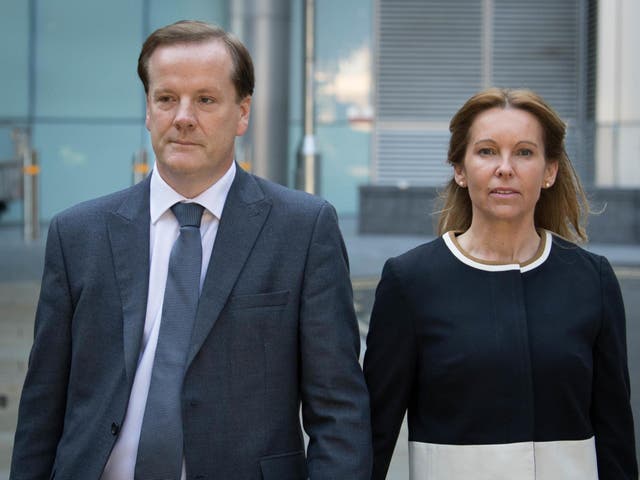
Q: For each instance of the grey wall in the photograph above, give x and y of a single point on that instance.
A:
(393, 210)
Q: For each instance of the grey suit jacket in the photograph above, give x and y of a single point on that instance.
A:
(275, 328)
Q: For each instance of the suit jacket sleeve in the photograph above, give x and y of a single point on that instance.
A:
(389, 365)
(335, 403)
(611, 410)
(43, 400)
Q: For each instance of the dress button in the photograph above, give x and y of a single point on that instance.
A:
(115, 428)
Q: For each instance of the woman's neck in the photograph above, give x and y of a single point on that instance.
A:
(502, 243)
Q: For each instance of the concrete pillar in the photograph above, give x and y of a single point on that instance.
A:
(264, 26)
(618, 97)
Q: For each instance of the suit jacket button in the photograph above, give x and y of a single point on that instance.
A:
(115, 428)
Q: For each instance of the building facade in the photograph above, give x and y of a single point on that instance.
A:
(69, 80)
(389, 75)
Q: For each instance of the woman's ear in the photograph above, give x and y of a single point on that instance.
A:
(459, 175)
(550, 172)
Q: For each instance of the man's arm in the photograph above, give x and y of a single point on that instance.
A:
(335, 402)
(43, 401)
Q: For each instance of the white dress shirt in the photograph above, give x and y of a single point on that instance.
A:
(163, 233)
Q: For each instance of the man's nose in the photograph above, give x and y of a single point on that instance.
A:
(185, 115)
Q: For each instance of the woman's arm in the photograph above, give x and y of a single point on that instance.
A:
(389, 365)
(611, 410)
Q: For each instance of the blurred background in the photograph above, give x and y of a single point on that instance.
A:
(371, 86)
(388, 75)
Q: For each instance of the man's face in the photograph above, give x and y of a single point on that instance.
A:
(193, 114)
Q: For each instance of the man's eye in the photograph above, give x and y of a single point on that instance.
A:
(206, 100)
(164, 99)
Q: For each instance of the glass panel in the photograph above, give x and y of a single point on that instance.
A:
(79, 162)
(343, 58)
(7, 147)
(296, 67)
(344, 165)
(343, 97)
(86, 59)
(14, 58)
(164, 12)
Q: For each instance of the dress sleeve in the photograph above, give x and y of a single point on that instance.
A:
(389, 366)
(611, 409)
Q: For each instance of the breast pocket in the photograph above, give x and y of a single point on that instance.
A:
(287, 466)
(259, 300)
(249, 327)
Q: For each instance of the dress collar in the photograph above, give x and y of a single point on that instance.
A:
(544, 249)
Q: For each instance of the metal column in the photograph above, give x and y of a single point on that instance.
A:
(263, 26)
(308, 157)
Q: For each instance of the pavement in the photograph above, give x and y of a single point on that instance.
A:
(21, 269)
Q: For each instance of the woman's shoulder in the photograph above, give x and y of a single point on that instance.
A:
(568, 252)
(580, 263)
(425, 250)
(422, 258)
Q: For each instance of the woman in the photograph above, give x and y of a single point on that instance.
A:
(504, 341)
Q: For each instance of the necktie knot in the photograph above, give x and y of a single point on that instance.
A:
(188, 214)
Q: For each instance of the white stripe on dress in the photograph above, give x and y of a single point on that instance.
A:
(565, 460)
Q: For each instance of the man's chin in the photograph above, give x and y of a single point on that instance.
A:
(182, 165)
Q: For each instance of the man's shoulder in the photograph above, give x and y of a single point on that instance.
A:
(285, 197)
(98, 207)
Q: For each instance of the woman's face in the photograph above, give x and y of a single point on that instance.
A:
(504, 166)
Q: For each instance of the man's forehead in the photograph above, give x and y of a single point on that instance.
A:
(176, 58)
(204, 67)
(185, 49)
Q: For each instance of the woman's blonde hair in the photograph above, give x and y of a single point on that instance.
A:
(562, 208)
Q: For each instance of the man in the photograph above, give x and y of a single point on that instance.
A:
(132, 375)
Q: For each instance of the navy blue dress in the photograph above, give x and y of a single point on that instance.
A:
(514, 372)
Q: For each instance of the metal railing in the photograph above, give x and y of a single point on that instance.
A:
(140, 166)
(19, 181)
(10, 182)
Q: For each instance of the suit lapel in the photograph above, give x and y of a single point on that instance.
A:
(129, 236)
(243, 216)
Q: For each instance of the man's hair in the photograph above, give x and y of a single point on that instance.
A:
(562, 208)
(191, 31)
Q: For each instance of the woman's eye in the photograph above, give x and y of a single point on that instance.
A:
(525, 152)
(486, 151)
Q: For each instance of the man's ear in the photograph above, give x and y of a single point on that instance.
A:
(147, 113)
(245, 113)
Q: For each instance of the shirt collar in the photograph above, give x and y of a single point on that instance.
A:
(162, 196)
